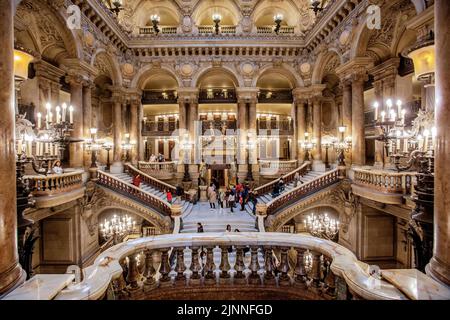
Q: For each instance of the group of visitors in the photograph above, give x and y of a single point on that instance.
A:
(280, 185)
(157, 158)
(239, 194)
(200, 228)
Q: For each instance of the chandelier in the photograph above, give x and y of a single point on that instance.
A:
(322, 226)
(308, 145)
(342, 145)
(117, 227)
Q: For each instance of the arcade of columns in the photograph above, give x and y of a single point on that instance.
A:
(353, 74)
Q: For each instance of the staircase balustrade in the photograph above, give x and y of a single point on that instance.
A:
(384, 181)
(267, 167)
(159, 170)
(302, 191)
(129, 190)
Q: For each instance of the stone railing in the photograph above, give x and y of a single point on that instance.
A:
(52, 184)
(268, 187)
(287, 198)
(299, 265)
(164, 30)
(270, 168)
(270, 29)
(385, 181)
(159, 170)
(133, 192)
(151, 181)
(222, 30)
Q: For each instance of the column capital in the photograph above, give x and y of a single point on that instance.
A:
(247, 94)
(79, 68)
(355, 70)
(45, 70)
(188, 95)
(386, 69)
(307, 93)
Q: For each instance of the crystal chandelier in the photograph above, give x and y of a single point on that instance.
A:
(117, 227)
(322, 226)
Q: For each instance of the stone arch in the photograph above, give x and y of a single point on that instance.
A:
(161, 225)
(47, 27)
(287, 8)
(201, 74)
(285, 70)
(144, 8)
(230, 7)
(149, 71)
(322, 62)
(107, 65)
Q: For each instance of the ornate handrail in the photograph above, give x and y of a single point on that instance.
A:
(319, 264)
(268, 167)
(164, 30)
(157, 168)
(129, 190)
(303, 190)
(268, 187)
(54, 183)
(211, 29)
(269, 30)
(151, 181)
(385, 181)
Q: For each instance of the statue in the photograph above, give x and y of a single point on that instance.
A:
(24, 126)
(202, 175)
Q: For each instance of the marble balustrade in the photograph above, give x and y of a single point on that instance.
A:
(159, 170)
(268, 167)
(47, 185)
(384, 181)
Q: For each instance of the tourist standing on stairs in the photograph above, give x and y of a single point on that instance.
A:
(199, 228)
(179, 194)
(213, 199)
(231, 200)
(221, 198)
(137, 180)
(169, 196)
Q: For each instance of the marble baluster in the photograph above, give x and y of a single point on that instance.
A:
(165, 266)
(224, 263)
(195, 265)
(330, 278)
(268, 259)
(284, 266)
(180, 268)
(300, 271)
(239, 263)
(149, 272)
(209, 266)
(315, 272)
(133, 274)
(254, 266)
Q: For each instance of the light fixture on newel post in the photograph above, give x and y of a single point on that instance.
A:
(307, 145)
(93, 146)
(316, 6)
(155, 19)
(342, 145)
(116, 6)
(278, 19)
(216, 19)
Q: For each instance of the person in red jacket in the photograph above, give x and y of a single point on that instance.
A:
(169, 196)
(137, 180)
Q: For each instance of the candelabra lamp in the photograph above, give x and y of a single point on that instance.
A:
(186, 146)
(342, 145)
(308, 145)
(216, 19)
(108, 146)
(127, 146)
(278, 19)
(116, 6)
(155, 19)
(322, 226)
(250, 146)
(93, 146)
(327, 145)
(117, 227)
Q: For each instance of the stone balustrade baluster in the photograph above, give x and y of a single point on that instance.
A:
(239, 267)
(180, 264)
(195, 265)
(300, 271)
(284, 266)
(224, 263)
(133, 274)
(164, 270)
(209, 266)
(268, 261)
(149, 271)
(330, 280)
(316, 269)
(254, 266)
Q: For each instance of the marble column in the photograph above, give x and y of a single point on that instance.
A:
(253, 132)
(295, 147)
(141, 143)
(439, 266)
(117, 165)
(87, 117)
(242, 138)
(134, 134)
(193, 126)
(301, 128)
(318, 164)
(347, 113)
(76, 100)
(379, 145)
(358, 132)
(11, 273)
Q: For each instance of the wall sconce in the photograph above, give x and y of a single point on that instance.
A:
(155, 22)
(316, 6)
(217, 18)
(278, 19)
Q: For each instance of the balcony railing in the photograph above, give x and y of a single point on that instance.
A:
(302, 191)
(217, 95)
(164, 30)
(159, 128)
(270, 29)
(284, 127)
(54, 183)
(219, 125)
(268, 167)
(159, 170)
(297, 264)
(160, 97)
(133, 192)
(385, 181)
(275, 96)
(222, 30)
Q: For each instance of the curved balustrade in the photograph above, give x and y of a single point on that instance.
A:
(303, 190)
(133, 192)
(151, 181)
(159, 170)
(295, 263)
(267, 167)
(268, 187)
(384, 181)
(51, 184)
